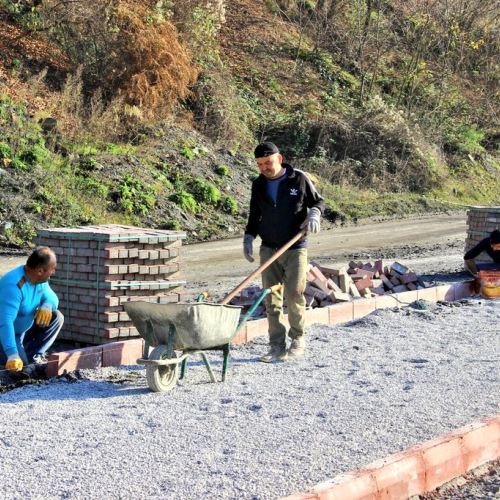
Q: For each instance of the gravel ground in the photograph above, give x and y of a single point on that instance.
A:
(366, 389)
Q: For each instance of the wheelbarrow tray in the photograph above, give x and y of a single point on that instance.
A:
(197, 325)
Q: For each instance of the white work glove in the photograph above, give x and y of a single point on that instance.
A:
(43, 315)
(248, 247)
(14, 363)
(312, 224)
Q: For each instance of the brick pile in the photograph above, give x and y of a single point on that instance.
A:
(480, 223)
(327, 285)
(247, 298)
(102, 267)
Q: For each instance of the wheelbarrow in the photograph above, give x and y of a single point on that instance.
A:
(192, 328)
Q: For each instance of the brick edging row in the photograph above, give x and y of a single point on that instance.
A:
(417, 470)
(127, 351)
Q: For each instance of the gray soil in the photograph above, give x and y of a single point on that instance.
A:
(365, 389)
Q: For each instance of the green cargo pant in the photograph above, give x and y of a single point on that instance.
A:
(290, 269)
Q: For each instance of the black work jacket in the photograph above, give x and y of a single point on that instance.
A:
(277, 223)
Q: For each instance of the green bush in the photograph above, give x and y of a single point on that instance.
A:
(204, 192)
(34, 155)
(5, 151)
(134, 197)
(229, 205)
(185, 201)
(21, 233)
(92, 186)
(465, 139)
(173, 225)
(222, 170)
(22, 139)
(120, 149)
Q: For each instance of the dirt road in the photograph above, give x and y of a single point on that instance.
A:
(431, 244)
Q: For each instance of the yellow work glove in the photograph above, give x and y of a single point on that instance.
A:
(14, 363)
(43, 315)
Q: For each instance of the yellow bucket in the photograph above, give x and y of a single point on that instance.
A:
(490, 284)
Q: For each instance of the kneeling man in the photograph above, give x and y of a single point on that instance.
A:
(29, 319)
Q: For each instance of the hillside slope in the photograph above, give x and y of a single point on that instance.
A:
(151, 120)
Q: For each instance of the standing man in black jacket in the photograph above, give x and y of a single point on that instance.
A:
(283, 202)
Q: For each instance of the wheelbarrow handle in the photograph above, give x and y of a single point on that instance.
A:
(262, 267)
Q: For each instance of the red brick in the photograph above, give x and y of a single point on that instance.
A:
(318, 274)
(241, 337)
(362, 307)
(122, 353)
(363, 283)
(256, 328)
(481, 443)
(408, 278)
(445, 292)
(406, 298)
(361, 274)
(401, 475)
(386, 301)
(429, 294)
(443, 461)
(318, 315)
(463, 290)
(340, 313)
(90, 357)
(357, 485)
(52, 369)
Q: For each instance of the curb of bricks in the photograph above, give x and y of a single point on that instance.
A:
(417, 470)
(127, 351)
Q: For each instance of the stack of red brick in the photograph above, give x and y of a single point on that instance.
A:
(102, 267)
(327, 285)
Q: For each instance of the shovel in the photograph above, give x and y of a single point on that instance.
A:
(263, 266)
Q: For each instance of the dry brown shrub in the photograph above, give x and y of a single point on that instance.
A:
(157, 69)
(127, 54)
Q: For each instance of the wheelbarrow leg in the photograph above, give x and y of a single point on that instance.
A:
(225, 362)
(208, 367)
(183, 369)
(145, 351)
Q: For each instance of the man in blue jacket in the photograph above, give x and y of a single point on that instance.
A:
(29, 319)
(283, 201)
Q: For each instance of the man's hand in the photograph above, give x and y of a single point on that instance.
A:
(43, 315)
(14, 363)
(312, 223)
(248, 247)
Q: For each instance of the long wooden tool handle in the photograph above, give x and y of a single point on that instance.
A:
(263, 266)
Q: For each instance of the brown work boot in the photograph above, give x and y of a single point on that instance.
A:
(276, 353)
(297, 348)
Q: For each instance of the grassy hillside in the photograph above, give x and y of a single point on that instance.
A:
(147, 112)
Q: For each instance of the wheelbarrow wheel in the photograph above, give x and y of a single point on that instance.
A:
(161, 378)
